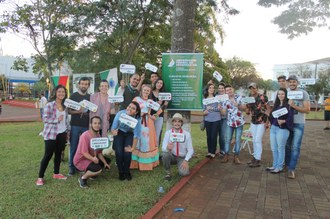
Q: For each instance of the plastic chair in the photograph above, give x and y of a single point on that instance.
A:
(246, 140)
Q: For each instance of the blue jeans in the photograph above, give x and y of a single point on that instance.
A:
(292, 149)
(278, 139)
(222, 133)
(75, 133)
(229, 135)
(212, 130)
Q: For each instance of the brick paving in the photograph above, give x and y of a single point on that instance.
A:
(220, 190)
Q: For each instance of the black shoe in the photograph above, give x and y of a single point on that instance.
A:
(326, 128)
(128, 176)
(122, 176)
(168, 177)
(82, 183)
(251, 161)
(71, 172)
(255, 164)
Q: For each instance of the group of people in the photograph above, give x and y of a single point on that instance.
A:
(135, 148)
(286, 129)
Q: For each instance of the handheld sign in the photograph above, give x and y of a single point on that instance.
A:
(217, 76)
(177, 137)
(153, 105)
(208, 101)
(125, 68)
(307, 81)
(128, 120)
(151, 67)
(247, 100)
(165, 96)
(89, 105)
(72, 104)
(295, 95)
(116, 99)
(277, 113)
(222, 98)
(99, 143)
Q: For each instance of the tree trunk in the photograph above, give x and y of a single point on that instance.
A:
(183, 26)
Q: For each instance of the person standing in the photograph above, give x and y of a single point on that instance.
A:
(125, 139)
(103, 107)
(86, 159)
(146, 155)
(223, 123)
(259, 122)
(212, 117)
(301, 107)
(56, 126)
(280, 130)
(79, 119)
(175, 152)
(235, 122)
(158, 87)
(282, 83)
(131, 91)
(42, 104)
(326, 105)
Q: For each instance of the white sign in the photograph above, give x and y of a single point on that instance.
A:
(125, 68)
(128, 120)
(247, 100)
(295, 95)
(89, 105)
(217, 76)
(280, 112)
(153, 105)
(165, 96)
(72, 104)
(307, 81)
(208, 101)
(151, 67)
(99, 143)
(222, 98)
(177, 137)
(116, 99)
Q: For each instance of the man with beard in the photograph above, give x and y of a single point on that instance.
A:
(131, 90)
(301, 107)
(79, 119)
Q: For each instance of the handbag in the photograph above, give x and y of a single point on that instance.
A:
(202, 125)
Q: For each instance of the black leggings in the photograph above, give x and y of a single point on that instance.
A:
(123, 159)
(53, 146)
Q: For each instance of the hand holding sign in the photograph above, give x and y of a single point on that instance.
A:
(222, 98)
(280, 112)
(295, 95)
(153, 105)
(89, 105)
(125, 68)
(165, 96)
(177, 137)
(217, 76)
(151, 67)
(208, 101)
(116, 99)
(72, 104)
(247, 100)
(128, 120)
(99, 143)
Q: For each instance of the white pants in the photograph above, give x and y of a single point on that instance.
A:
(257, 131)
(158, 126)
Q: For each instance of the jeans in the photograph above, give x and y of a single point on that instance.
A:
(123, 159)
(75, 133)
(292, 149)
(257, 131)
(229, 134)
(159, 126)
(222, 133)
(212, 130)
(278, 139)
(41, 113)
(53, 147)
(169, 158)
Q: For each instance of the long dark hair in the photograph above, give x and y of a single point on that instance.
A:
(162, 88)
(53, 97)
(277, 100)
(206, 91)
(138, 109)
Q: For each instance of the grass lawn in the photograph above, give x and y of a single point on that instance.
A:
(21, 151)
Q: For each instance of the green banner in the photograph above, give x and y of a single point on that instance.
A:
(183, 77)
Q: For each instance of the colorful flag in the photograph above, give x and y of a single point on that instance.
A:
(63, 80)
(112, 78)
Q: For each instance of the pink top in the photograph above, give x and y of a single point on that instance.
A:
(103, 111)
(79, 160)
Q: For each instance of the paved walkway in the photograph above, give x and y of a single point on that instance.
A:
(228, 191)
(19, 114)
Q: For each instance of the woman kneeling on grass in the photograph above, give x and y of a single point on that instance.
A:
(125, 139)
(86, 158)
(56, 125)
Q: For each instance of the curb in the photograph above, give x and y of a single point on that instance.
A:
(175, 189)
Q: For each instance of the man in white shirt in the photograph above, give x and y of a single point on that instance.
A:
(42, 104)
(175, 152)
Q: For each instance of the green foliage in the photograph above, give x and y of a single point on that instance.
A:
(107, 197)
(20, 64)
(301, 16)
(321, 85)
(22, 88)
(40, 86)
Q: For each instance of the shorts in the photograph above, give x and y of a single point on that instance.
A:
(326, 115)
(93, 167)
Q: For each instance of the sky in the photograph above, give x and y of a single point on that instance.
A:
(250, 36)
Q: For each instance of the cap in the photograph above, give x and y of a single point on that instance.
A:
(281, 77)
(177, 116)
(292, 77)
(254, 85)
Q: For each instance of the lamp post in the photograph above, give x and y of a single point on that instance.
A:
(48, 85)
